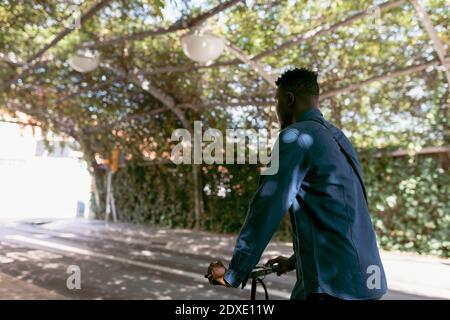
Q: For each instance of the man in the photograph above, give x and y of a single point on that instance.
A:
(319, 182)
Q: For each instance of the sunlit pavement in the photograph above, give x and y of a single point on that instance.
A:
(119, 261)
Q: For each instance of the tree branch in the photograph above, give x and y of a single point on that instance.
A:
(255, 65)
(437, 43)
(65, 125)
(268, 103)
(179, 25)
(159, 94)
(31, 61)
(86, 16)
(133, 117)
(320, 30)
(386, 76)
(327, 28)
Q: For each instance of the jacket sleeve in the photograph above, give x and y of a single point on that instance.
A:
(293, 259)
(272, 200)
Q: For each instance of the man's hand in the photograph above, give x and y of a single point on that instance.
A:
(285, 264)
(216, 270)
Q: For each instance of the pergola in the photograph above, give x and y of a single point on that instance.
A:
(142, 78)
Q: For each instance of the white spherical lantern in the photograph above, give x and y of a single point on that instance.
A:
(202, 46)
(84, 61)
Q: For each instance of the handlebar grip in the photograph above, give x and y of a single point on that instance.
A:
(260, 271)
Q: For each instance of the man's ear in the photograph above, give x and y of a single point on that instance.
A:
(290, 99)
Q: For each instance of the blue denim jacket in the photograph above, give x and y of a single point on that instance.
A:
(335, 247)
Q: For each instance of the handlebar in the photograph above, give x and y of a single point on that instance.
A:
(263, 270)
(258, 274)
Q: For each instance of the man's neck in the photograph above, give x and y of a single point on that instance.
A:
(307, 114)
(305, 110)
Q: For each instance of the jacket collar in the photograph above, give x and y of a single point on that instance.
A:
(310, 114)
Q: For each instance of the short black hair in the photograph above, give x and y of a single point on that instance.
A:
(299, 81)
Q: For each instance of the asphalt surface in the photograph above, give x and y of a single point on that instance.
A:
(113, 268)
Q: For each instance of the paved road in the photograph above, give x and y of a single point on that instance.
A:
(34, 259)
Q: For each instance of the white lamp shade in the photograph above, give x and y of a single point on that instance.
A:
(83, 62)
(202, 47)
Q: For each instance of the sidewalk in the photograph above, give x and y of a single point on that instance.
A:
(15, 289)
(427, 276)
(409, 273)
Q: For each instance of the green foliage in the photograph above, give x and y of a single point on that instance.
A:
(152, 194)
(410, 204)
